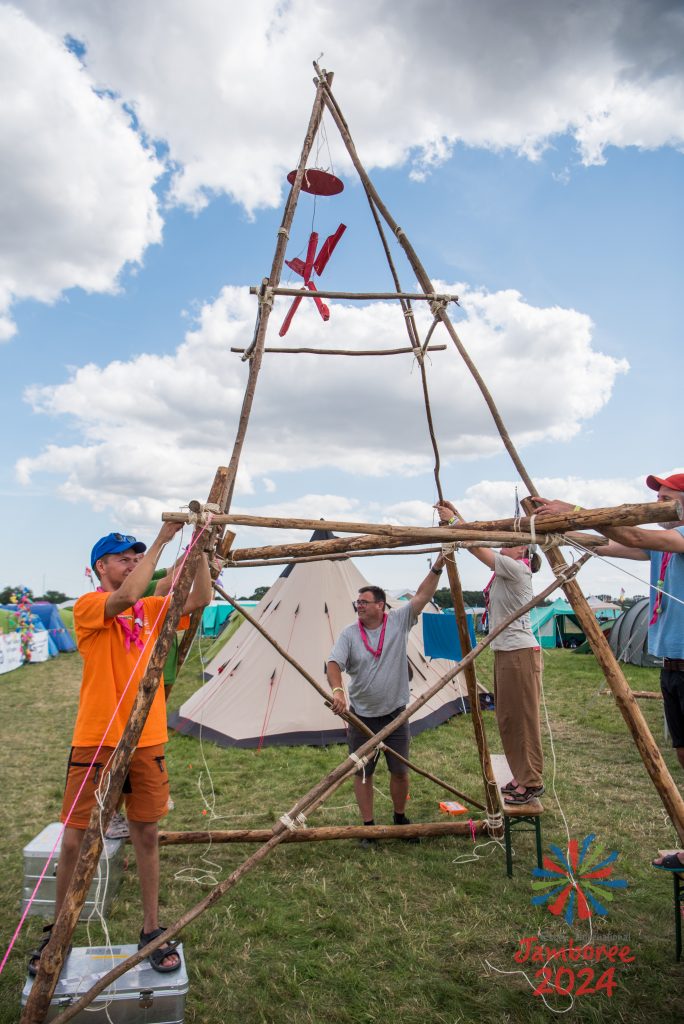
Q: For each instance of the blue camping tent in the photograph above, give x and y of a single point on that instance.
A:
(52, 621)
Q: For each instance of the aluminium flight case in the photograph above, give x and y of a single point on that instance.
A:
(103, 888)
(141, 996)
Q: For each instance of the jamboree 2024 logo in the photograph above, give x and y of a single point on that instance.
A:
(575, 885)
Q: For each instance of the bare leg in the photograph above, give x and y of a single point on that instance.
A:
(144, 836)
(363, 791)
(399, 791)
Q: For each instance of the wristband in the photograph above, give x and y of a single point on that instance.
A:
(452, 521)
(338, 689)
(437, 572)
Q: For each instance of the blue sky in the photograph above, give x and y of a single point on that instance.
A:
(557, 215)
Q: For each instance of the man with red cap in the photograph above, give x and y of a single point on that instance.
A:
(665, 550)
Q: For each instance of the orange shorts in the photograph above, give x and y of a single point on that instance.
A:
(145, 791)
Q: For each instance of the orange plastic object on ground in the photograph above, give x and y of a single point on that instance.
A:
(452, 807)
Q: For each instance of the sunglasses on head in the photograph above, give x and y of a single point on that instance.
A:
(124, 537)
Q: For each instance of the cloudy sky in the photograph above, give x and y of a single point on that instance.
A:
(532, 151)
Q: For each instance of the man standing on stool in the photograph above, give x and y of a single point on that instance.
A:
(664, 549)
(373, 652)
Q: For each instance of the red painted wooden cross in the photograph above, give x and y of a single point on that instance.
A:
(313, 264)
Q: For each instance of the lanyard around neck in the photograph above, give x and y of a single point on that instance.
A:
(138, 622)
(364, 636)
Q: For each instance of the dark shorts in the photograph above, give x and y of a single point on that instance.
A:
(146, 789)
(399, 740)
(672, 685)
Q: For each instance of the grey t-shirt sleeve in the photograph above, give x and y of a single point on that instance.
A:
(341, 649)
(406, 615)
(510, 568)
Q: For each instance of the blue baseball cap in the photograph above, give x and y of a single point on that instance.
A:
(114, 543)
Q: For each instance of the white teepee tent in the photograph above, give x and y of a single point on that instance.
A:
(253, 697)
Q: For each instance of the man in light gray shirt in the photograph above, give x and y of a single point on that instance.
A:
(517, 664)
(372, 651)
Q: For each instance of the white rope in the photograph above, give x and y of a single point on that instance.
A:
(293, 823)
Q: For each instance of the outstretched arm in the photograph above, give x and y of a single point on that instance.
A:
(426, 590)
(137, 582)
(447, 515)
(624, 541)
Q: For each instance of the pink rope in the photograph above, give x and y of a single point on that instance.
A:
(162, 611)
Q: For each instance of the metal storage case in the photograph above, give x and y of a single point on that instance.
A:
(103, 888)
(141, 996)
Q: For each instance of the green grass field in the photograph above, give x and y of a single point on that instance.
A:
(328, 931)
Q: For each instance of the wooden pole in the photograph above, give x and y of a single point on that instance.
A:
(305, 293)
(512, 529)
(346, 351)
(53, 955)
(348, 715)
(626, 702)
(586, 540)
(325, 833)
(650, 754)
(368, 543)
(638, 694)
(312, 799)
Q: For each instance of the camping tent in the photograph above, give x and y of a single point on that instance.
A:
(11, 655)
(555, 624)
(51, 619)
(252, 696)
(629, 636)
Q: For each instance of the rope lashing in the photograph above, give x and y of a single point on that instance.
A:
(293, 823)
(362, 762)
(438, 306)
(495, 822)
(203, 514)
(284, 232)
(266, 297)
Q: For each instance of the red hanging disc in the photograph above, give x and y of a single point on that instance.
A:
(317, 182)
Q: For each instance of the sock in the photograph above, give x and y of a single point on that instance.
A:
(400, 818)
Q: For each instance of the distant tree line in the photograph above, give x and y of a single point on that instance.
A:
(53, 596)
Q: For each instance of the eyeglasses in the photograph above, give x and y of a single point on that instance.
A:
(124, 537)
(362, 604)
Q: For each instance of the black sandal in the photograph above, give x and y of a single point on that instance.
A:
(157, 956)
(38, 951)
(531, 793)
(510, 787)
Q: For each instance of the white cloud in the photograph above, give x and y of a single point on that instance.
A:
(155, 428)
(76, 199)
(227, 91)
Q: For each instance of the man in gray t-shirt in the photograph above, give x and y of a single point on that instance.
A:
(372, 651)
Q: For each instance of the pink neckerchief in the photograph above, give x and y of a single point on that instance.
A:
(658, 603)
(487, 596)
(364, 637)
(138, 622)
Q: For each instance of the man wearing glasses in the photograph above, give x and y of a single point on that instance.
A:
(372, 651)
(116, 630)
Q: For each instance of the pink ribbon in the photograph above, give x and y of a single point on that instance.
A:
(658, 603)
(138, 623)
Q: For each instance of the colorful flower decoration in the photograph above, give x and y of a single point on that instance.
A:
(24, 617)
(572, 881)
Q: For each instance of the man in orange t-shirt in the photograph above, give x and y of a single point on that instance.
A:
(116, 630)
